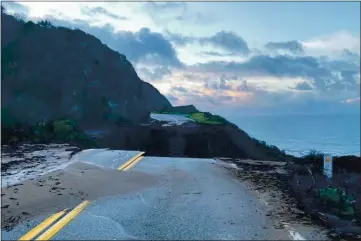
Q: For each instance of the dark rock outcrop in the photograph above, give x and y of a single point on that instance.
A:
(54, 72)
(190, 140)
(184, 109)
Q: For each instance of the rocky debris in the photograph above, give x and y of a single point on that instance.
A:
(69, 74)
(314, 160)
(305, 196)
(269, 182)
(26, 161)
(335, 201)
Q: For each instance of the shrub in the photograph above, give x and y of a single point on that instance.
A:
(45, 24)
(63, 129)
(29, 26)
(314, 155)
(207, 118)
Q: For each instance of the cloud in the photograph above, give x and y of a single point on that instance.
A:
(197, 17)
(267, 65)
(229, 41)
(14, 7)
(350, 56)
(172, 98)
(140, 46)
(333, 44)
(219, 83)
(303, 86)
(146, 42)
(245, 96)
(164, 6)
(166, 12)
(179, 39)
(223, 83)
(180, 89)
(102, 11)
(213, 53)
(150, 73)
(292, 46)
(352, 100)
(324, 74)
(235, 74)
(218, 54)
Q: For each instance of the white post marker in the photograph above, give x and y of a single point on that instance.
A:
(327, 165)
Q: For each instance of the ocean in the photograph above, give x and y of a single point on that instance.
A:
(298, 134)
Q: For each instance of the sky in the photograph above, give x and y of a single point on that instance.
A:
(230, 58)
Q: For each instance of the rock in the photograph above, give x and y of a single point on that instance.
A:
(349, 230)
(203, 141)
(89, 86)
(333, 220)
(279, 226)
(357, 205)
(184, 109)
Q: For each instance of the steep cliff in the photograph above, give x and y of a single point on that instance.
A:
(54, 72)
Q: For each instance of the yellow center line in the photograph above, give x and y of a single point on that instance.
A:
(46, 223)
(133, 163)
(122, 167)
(48, 234)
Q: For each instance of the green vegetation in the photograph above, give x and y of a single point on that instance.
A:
(45, 24)
(338, 201)
(7, 120)
(207, 118)
(61, 130)
(9, 56)
(314, 155)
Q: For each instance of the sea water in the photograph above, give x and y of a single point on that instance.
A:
(298, 134)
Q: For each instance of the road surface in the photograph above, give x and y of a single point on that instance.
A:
(193, 199)
(172, 119)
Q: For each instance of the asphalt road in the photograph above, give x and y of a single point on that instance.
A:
(193, 199)
(172, 119)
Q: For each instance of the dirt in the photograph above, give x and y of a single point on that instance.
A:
(66, 188)
(290, 194)
(189, 140)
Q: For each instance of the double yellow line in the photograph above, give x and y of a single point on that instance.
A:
(48, 234)
(65, 216)
(132, 161)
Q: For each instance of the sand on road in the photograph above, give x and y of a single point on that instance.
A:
(66, 188)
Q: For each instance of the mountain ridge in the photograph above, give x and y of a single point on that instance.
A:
(73, 71)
